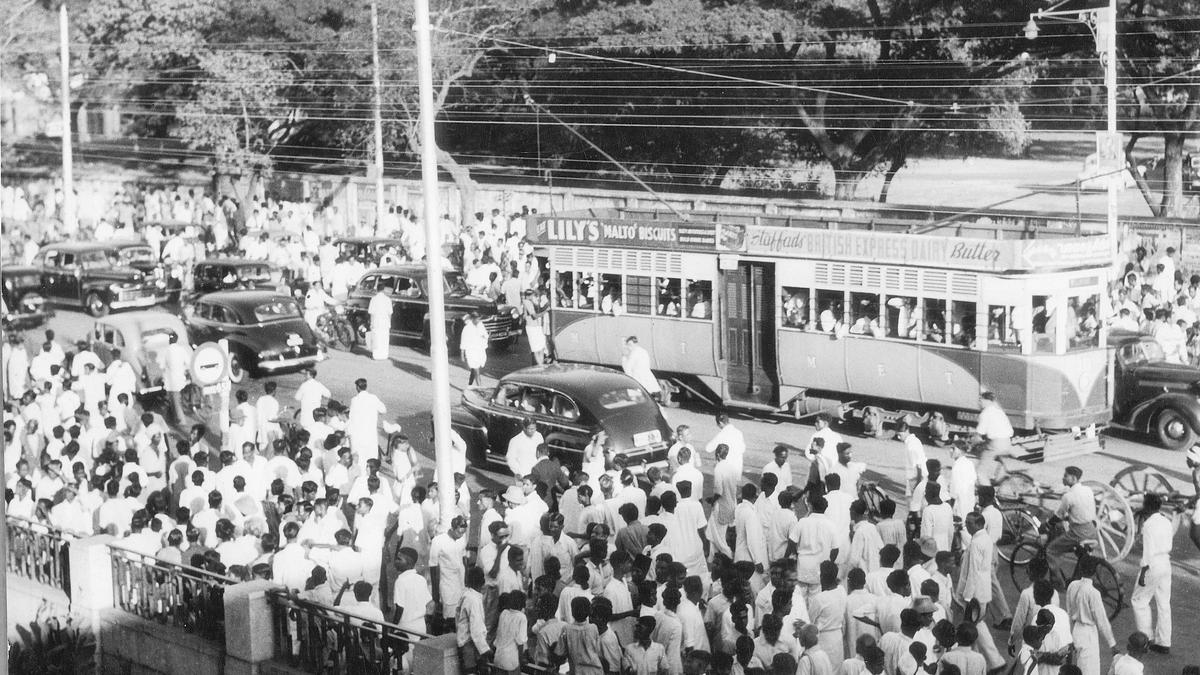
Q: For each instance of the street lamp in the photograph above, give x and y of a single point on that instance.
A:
(1101, 19)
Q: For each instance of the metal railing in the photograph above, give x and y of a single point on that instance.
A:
(39, 552)
(185, 597)
(320, 639)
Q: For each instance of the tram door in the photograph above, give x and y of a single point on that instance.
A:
(748, 318)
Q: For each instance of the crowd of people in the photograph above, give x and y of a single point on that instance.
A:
(584, 565)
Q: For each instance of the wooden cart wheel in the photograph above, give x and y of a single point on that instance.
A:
(1135, 481)
(1116, 529)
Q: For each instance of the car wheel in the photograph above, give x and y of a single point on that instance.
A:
(237, 373)
(1173, 430)
(95, 305)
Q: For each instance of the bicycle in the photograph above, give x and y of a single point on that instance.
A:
(1106, 579)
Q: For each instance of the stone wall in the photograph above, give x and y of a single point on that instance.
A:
(131, 645)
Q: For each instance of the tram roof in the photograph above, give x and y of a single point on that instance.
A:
(963, 239)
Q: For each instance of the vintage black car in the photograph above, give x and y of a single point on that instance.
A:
(24, 305)
(227, 274)
(406, 284)
(267, 334)
(370, 251)
(1152, 395)
(101, 276)
(569, 403)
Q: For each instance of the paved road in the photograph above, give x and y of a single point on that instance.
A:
(404, 385)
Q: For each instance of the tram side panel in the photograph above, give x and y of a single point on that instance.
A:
(1069, 390)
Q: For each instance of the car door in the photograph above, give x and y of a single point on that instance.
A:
(47, 262)
(504, 418)
(70, 277)
(201, 327)
(411, 306)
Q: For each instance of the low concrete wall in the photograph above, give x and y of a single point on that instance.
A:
(29, 600)
(130, 645)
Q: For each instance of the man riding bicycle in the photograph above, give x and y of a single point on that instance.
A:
(1077, 513)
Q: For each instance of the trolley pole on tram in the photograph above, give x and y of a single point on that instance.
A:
(439, 366)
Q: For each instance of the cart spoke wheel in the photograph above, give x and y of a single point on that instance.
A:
(1109, 585)
(1015, 487)
(1115, 523)
(1133, 482)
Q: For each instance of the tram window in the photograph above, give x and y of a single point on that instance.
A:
(668, 296)
(904, 315)
(1083, 328)
(564, 290)
(864, 314)
(933, 320)
(1003, 322)
(639, 295)
(962, 325)
(1045, 324)
(612, 300)
(585, 286)
(829, 310)
(699, 299)
(795, 307)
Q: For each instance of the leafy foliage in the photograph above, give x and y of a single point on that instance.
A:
(51, 645)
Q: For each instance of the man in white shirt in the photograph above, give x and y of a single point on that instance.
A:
(1154, 578)
(688, 471)
(411, 596)
(962, 480)
(996, 431)
(635, 362)
(731, 437)
(780, 467)
(522, 449)
(363, 427)
(1077, 512)
(914, 451)
(447, 567)
(823, 453)
(310, 395)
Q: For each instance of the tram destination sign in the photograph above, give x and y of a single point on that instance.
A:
(914, 249)
(625, 233)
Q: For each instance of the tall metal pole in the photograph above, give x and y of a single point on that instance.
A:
(378, 117)
(68, 178)
(1110, 91)
(438, 355)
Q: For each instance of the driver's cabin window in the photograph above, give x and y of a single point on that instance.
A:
(699, 299)
(1005, 331)
(794, 303)
(507, 396)
(1083, 322)
(1044, 322)
(564, 290)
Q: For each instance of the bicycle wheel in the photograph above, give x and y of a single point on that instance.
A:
(1018, 487)
(1109, 584)
(1026, 551)
(1019, 527)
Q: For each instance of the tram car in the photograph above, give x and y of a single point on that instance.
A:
(838, 314)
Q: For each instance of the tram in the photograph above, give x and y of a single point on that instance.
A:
(838, 313)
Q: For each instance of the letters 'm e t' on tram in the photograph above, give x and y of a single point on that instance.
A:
(778, 313)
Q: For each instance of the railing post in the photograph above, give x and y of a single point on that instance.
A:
(92, 577)
(249, 629)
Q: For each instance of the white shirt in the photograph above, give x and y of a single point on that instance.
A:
(732, 437)
(783, 472)
(962, 486)
(522, 453)
(1158, 537)
(636, 364)
(412, 595)
(309, 395)
(365, 409)
(916, 457)
(446, 553)
(993, 423)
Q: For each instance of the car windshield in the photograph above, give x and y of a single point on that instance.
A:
(276, 309)
(456, 285)
(135, 254)
(156, 339)
(256, 274)
(622, 398)
(1145, 351)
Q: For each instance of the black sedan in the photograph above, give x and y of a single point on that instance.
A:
(266, 332)
(569, 403)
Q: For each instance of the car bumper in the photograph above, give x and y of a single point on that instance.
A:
(148, 301)
(19, 320)
(297, 363)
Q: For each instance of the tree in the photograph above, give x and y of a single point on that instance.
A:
(859, 83)
(1159, 53)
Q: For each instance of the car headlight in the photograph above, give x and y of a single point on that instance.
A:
(269, 354)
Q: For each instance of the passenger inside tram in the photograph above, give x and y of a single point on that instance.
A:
(699, 299)
(795, 308)
(668, 296)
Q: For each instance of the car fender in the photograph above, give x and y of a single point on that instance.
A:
(101, 288)
(1144, 414)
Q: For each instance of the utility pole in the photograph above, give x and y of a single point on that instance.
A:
(68, 178)
(438, 355)
(378, 118)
